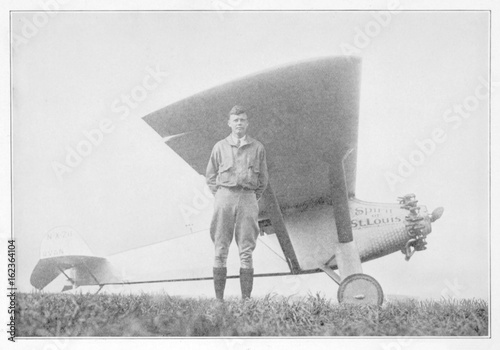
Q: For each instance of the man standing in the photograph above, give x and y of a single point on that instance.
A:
(237, 176)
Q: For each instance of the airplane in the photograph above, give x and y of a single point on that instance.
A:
(306, 116)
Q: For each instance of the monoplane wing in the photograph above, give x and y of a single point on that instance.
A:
(306, 116)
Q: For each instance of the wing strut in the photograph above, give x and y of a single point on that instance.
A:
(340, 199)
(279, 226)
(346, 252)
(64, 273)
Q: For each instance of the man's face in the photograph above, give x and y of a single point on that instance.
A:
(238, 124)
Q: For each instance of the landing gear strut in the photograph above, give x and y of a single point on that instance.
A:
(354, 286)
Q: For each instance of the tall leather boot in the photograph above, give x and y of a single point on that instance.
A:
(246, 282)
(220, 274)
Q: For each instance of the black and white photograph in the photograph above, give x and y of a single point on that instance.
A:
(220, 171)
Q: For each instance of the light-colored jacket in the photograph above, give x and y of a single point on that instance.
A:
(245, 166)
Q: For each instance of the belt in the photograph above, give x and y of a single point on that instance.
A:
(238, 189)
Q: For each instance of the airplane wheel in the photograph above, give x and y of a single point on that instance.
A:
(360, 289)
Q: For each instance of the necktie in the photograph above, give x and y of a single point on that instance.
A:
(238, 143)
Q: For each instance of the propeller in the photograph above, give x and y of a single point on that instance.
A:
(437, 213)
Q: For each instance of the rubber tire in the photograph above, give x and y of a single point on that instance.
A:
(354, 286)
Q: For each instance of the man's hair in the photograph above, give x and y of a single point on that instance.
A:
(237, 110)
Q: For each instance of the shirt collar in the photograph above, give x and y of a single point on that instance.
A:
(244, 140)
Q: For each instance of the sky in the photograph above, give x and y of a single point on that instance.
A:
(423, 124)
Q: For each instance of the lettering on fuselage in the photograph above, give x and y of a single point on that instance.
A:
(368, 216)
(59, 234)
(52, 253)
(371, 211)
(58, 241)
(355, 223)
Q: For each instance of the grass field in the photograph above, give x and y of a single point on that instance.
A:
(162, 315)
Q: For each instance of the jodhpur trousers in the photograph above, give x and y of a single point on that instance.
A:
(235, 214)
